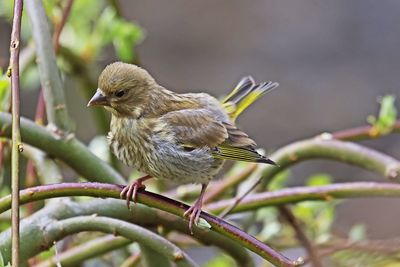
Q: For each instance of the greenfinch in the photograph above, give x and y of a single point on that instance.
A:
(184, 138)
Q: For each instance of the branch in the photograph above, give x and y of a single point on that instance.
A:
(155, 201)
(346, 152)
(16, 135)
(362, 133)
(302, 193)
(33, 238)
(60, 26)
(49, 74)
(68, 149)
(76, 255)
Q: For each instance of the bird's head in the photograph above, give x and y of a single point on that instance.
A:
(123, 89)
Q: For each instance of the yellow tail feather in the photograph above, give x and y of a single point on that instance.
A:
(245, 94)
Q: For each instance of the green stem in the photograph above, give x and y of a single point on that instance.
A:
(346, 152)
(68, 149)
(76, 255)
(16, 135)
(56, 109)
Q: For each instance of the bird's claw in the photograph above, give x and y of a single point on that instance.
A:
(129, 192)
(194, 214)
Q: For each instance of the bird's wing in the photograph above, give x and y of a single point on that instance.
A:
(196, 128)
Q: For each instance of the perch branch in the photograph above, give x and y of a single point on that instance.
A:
(284, 196)
(32, 235)
(156, 201)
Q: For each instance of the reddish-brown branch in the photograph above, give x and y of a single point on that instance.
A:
(361, 133)
(60, 26)
(155, 201)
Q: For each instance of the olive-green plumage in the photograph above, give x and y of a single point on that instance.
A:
(181, 137)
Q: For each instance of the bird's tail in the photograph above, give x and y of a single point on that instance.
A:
(244, 94)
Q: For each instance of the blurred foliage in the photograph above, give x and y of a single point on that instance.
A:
(4, 92)
(220, 261)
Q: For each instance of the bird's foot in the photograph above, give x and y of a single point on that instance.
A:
(195, 210)
(130, 191)
(194, 214)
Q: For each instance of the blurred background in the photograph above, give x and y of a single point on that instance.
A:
(333, 60)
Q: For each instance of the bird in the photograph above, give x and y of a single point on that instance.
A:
(184, 138)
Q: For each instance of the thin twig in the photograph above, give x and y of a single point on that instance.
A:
(301, 235)
(362, 133)
(59, 27)
(16, 136)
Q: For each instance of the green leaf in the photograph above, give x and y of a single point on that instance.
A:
(387, 116)
(203, 224)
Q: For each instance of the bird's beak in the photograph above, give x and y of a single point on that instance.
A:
(98, 99)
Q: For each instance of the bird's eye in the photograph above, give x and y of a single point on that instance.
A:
(119, 93)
